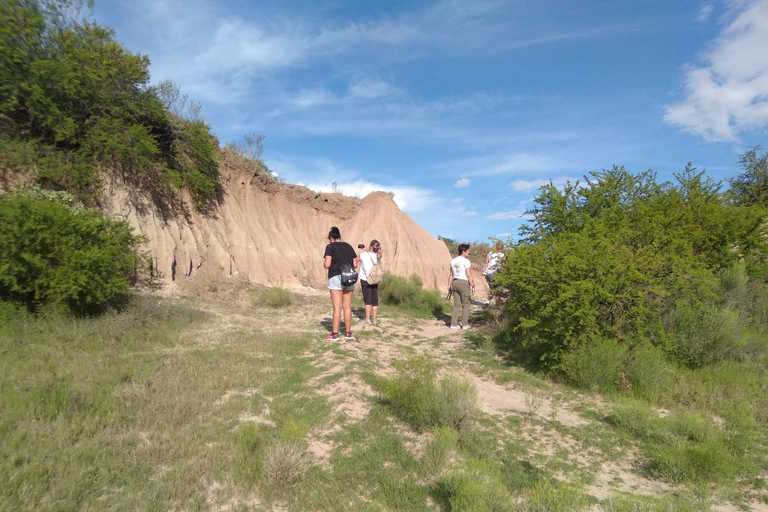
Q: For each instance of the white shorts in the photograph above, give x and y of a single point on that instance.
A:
(334, 283)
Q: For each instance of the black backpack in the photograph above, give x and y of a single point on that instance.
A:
(348, 273)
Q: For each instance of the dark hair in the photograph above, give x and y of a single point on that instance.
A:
(334, 233)
(376, 246)
(462, 248)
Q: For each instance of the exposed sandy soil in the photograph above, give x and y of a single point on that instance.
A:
(271, 233)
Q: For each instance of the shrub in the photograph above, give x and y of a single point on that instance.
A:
(444, 442)
(598, 365)
(549, 496)
(51, 255)
(701, 335)
(273, 298)
(411, 393)
(416, 396)
(693, 463)
(478, 489)
(286, 462)
(649, 374)
(455, 404)
(408, 293)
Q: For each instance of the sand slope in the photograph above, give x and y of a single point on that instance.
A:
(272, 233)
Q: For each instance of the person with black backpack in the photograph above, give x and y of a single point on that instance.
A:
(341, 261)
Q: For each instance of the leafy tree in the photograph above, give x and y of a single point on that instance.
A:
(85, 100)
(751, 187)
(608, 259)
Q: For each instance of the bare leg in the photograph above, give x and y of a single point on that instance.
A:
(347, 306)
(375, 310)
(336, 300)
(368, 312)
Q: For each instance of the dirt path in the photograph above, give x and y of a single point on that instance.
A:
(545, 418)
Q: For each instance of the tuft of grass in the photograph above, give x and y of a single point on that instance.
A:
(286, 462)
(409, 295)
(549, 496)
(444, 442)
(416, 396)
(272, 298)
(596, 365)
(478, 487)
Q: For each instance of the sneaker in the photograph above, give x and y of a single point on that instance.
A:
(465, 327)
(349, 336)
(334, 336)
(363, 322)
(455, 327)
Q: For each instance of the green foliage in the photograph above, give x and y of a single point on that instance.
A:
(479, 488)
(683, 447)
(598, 365)
(272, 298)
(437, 452)
(73, 99)
(549, 496)
(416, 396)
(49, 254)
(610, 259)
(701, 335)
(751, 187)
(408, 293)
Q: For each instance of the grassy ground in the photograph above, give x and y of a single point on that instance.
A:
(234, 403)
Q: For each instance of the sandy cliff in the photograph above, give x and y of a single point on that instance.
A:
(272, 233)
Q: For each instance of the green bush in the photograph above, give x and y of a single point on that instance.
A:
(479, 488)
(408, 293)
(701, 335)
(437, 452)
(549, 496)
(609, 259)
(649, 373)
(272, 298)
(598, 365)
(74, 99)
(51, 255)
(416, 396)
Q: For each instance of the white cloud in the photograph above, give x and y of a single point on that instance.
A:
(729, 94)
(408, 199)
(463, 182)
(369, 88)
(458, 200)
(512, 214)
(705, 12)
(528, 185)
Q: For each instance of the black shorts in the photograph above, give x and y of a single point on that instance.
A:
(370, 293)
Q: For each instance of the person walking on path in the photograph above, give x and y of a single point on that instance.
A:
(368, 259)
(463, 286)
(337, 253)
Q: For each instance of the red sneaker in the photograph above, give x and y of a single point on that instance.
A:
(334, 336)
(349, 336)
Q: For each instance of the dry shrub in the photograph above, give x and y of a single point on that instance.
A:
(286, 462)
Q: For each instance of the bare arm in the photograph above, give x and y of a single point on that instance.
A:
(327, 261)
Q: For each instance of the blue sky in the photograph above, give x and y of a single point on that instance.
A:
(463, 108)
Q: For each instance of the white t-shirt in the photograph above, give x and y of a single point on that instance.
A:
(367, 261)
(494, 262)
(459, 266)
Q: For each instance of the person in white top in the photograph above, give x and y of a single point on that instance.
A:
(369, 258)
(463, 286)
(493, 262)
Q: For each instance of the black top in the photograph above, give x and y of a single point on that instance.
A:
(340, 253)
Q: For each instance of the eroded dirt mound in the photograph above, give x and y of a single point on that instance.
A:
(272, 233)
